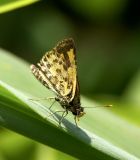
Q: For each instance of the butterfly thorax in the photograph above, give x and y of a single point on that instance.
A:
(73, 106)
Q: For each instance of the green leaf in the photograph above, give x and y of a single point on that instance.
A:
(132, 93)
(101, 134)
(9, 5)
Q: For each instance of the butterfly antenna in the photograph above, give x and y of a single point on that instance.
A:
(110, 105)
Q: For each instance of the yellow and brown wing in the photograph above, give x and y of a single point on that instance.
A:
(57, 69)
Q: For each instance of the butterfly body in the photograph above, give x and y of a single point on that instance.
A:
(57, 70)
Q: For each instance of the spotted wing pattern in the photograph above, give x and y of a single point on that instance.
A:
(57, 70)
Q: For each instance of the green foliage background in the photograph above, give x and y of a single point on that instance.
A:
(107, 36)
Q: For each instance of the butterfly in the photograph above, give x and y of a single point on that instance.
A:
(57, 70)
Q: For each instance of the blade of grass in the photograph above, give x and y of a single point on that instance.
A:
(46, 133)
(101, 135)
(9, 6)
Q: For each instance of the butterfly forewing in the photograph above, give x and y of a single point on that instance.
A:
(57, 69)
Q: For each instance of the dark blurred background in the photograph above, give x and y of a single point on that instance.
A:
(106, 34)
(107, 38)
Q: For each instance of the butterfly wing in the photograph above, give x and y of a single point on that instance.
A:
(57, 69)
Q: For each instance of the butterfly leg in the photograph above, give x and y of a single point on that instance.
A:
(64, 114)
(52, 104)
(55, 113)
(75, 119)
(40, 99)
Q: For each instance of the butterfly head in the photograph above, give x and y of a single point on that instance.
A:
(78, 112)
